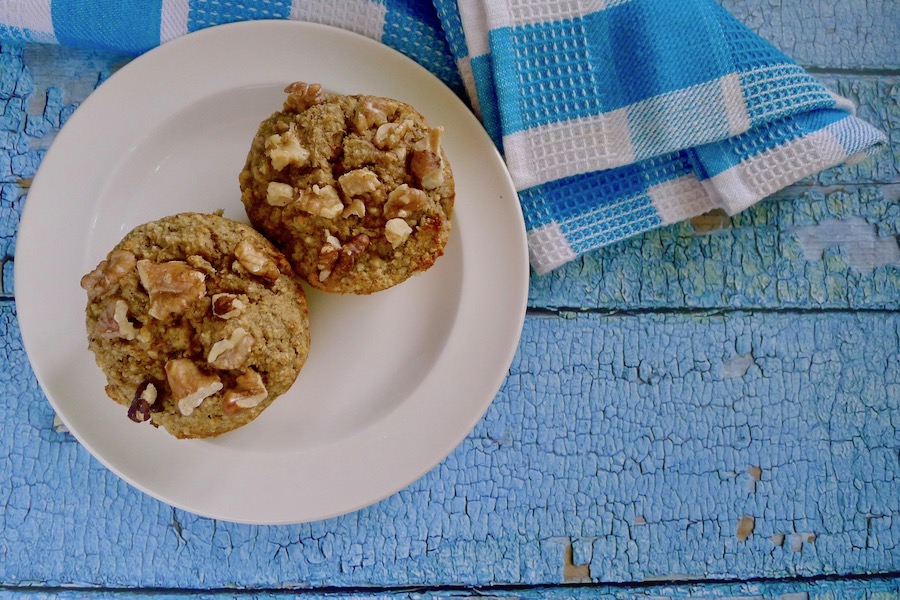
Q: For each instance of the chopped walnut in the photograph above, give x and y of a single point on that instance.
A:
(389, 135)
(279, 194)
(350, 254)
(231, 352)
(256, 261)
(201, 264)
(114, 323)
(301, 96)
(404, 201)
(226, 306)
(358, 182)
(322, 202)
(105, 278)
(432, 141)
(285, 149)
(173, 286)
(356, 207)
(248, 392)
(397, 231)
(372, 114)
(144, 403)
(427, 164)
(190, 386)
(427, 168)
(328, 256)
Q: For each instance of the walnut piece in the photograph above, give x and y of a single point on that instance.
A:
(356, 207)
(427, 163)
(256, 261)
(427, 168)
(350, 254)
(301, 96)
(173, 286)
(248, 392)
(232, 352)
(358, 182)
(328, 256)
(227, 306)
(105, 278)
(189, 385)
(432, 140)
(201, 264)
(404, 201)
(397, 231)
(114, 323)
(279, 194)
(389, 135)
(285, 149)
(322, 202)
(372, 114)
(144, 403)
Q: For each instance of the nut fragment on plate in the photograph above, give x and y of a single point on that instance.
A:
(105, 278)
(256, 260)
(371, 160)
(321, 202)
(285, 149)
(226, 306)
(279, 194)
(358, 182)
(248, 392)
(114, 323)
(302, 95)
(404, 201)
(231, 352)
(207, 303)
(189, 385)
(173, 286)
(397, 231)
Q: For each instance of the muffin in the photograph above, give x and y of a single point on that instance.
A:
(197, 323)
(355, 190)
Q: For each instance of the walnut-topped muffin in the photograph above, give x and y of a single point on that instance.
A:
(355, 190)
(197, 323)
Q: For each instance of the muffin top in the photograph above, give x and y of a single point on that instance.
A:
(197, 323)
(355, 190)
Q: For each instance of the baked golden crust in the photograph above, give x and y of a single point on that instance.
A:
(197, 323)
(355, 190)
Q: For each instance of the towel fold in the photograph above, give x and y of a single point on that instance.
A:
(614, 116)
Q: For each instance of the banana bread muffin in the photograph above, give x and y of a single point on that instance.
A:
(197, 323)
(355, 190)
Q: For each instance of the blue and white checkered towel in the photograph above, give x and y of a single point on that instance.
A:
(615, 116)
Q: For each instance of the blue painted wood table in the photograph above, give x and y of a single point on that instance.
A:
(707, 411)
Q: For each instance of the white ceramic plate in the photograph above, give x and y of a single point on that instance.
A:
(394, 381)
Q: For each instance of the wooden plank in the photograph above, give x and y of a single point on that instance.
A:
(630, 445)
(828, 34)
(871, 589)
(808, 248)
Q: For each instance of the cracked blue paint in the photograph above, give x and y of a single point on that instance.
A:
(633, 439)
(647, 479)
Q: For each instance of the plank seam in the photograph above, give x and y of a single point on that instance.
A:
(475, 589)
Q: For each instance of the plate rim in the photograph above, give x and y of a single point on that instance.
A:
(56, 153)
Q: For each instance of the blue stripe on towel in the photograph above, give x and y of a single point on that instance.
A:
(133, 26)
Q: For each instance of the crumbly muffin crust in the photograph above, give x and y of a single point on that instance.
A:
(197, 323)
(355, 190)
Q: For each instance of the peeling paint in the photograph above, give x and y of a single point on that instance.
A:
(738, 366)
(573, 573)
(863, 248)
(745, 527)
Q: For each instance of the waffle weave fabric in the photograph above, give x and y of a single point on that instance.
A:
(614, 117)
